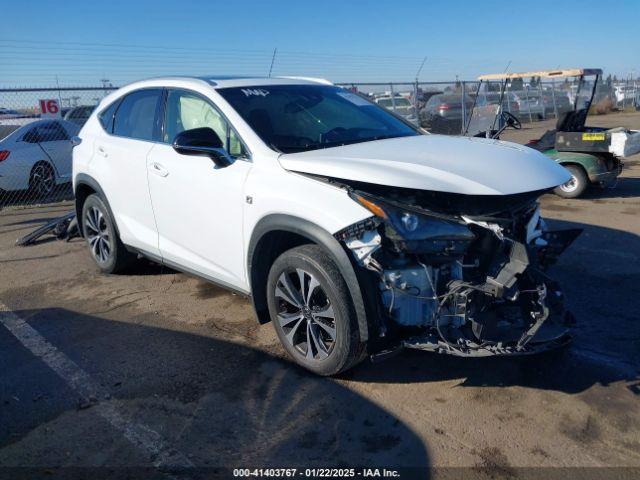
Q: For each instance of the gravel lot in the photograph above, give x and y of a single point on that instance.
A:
(159, 368)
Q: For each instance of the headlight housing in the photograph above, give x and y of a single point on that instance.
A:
(416, 232)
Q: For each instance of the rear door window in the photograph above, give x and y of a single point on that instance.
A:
(136, 116)
(46, 132)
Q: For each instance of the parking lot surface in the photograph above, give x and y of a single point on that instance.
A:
(158, 368)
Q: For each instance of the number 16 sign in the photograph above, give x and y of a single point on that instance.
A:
(49, 108)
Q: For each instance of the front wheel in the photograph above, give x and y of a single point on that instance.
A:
(312, 312)
(99, 231)
(575, 186)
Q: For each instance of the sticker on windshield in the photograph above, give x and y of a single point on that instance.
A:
(355, 99)
(259, 92)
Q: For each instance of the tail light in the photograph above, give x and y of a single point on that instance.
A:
(444, 106)
(4, 154)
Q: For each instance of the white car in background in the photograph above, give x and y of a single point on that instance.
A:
(37, 156)
(351, 229)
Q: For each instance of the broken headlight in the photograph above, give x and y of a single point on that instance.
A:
(416, 232)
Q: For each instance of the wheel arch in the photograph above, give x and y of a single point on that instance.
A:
(84, 186)
(277, 233)
(574, 163)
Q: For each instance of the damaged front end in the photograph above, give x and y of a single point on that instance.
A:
(463, 276)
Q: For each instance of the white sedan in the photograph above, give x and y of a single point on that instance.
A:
(37, 156)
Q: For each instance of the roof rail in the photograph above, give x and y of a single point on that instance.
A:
(324, 81)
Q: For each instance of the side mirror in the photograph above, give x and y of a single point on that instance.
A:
(202, 141)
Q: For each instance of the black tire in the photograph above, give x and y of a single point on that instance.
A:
(576, 186)
(42, 180)
(99, 231)
(328, 356)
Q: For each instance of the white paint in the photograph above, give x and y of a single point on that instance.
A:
(196, 216)
(16, 169)
(81, 382)
(470, 166)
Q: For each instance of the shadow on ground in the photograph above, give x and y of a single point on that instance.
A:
(627, 187)
(216, 401)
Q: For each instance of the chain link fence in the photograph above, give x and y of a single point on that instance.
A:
(464, 107)
(36, 128)
(37, 124)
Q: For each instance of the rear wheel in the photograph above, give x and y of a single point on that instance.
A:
(312, 312)
(576, 185)
(42, 180)
(98, 227)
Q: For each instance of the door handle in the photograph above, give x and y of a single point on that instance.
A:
(102, 152)
(159, 170)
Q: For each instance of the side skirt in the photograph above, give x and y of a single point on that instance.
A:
(189, 271)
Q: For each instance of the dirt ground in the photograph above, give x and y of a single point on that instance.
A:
(181, 373)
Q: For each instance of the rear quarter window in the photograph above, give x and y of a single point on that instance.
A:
(106, 116)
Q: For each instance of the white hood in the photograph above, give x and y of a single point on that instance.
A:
(472, 166)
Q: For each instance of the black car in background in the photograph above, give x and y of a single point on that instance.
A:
(79, 115)
(443, 113)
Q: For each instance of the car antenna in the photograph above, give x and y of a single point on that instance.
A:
(502, 89)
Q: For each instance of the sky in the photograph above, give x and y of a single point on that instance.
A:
(80, 42)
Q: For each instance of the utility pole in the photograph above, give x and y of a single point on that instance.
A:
(58, 85)
(273, 60)
(420, 68)
(105, 84)
(416, 107)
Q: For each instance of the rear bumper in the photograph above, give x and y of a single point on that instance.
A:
(13, 177)
(10, 183)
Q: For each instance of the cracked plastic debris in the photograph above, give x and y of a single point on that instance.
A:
(491, 298)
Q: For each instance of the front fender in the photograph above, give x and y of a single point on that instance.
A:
(592, 164)
(258, 267)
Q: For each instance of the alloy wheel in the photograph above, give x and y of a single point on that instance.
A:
(97, 233)
(305, 314)
(570, 186)
(42, 180)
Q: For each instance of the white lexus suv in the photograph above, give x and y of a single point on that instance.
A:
(354, 233)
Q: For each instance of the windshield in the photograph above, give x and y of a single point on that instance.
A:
(298, 118)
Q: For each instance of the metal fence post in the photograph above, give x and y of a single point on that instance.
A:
(553, 97)
(541, 96)
(415, 102)
(526, 96)
(464, 106)
(393, 97)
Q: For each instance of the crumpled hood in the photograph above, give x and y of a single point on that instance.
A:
(471, 166)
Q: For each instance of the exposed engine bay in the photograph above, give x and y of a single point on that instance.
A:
(459, 274)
